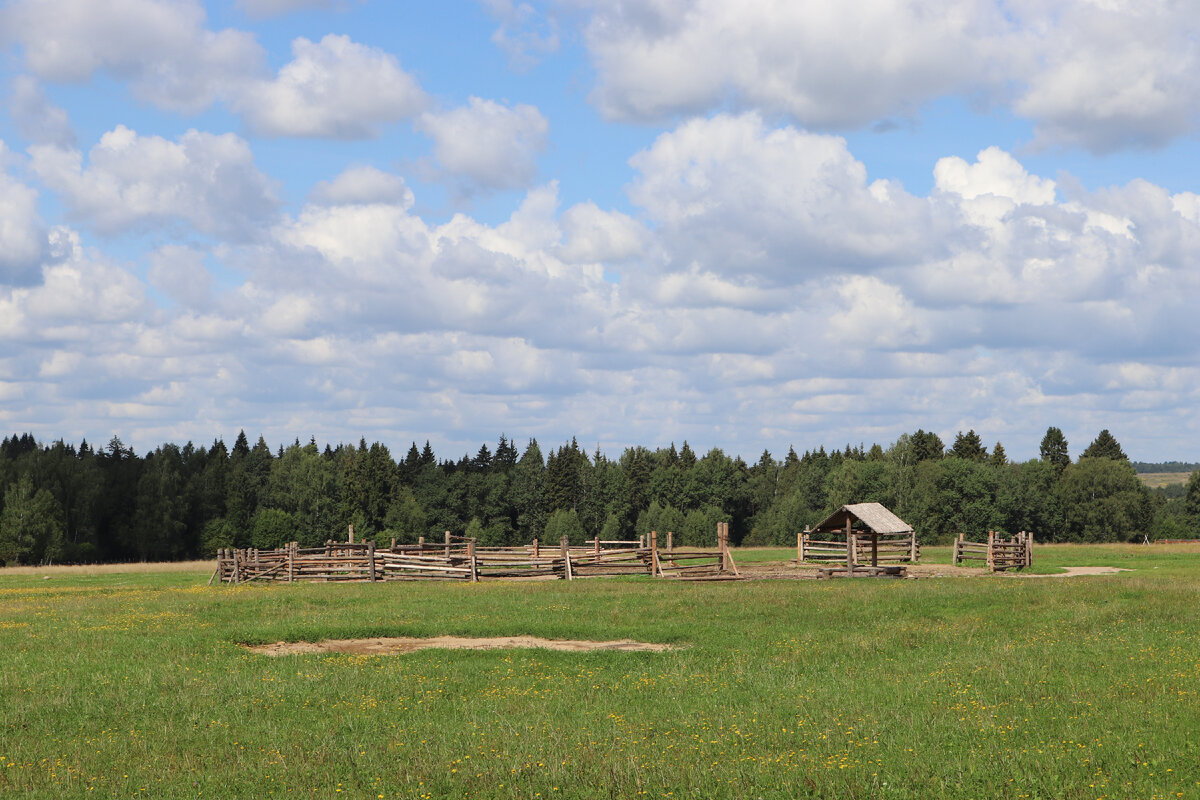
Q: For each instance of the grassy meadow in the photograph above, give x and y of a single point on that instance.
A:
(1160, 480)
(128, 683)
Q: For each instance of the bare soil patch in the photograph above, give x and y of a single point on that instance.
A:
(1073, 571)
(386, 645)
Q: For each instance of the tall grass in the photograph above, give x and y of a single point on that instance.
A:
(134, 683)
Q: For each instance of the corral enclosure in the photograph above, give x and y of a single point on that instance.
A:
(124, 683)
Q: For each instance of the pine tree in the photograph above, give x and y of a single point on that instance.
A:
(999, 457)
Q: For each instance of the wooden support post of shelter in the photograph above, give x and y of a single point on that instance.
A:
(851, 555)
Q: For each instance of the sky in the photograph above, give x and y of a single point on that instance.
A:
(747, 225)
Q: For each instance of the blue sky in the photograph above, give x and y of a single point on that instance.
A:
(747, 225)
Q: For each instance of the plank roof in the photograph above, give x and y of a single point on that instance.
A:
(875, 516)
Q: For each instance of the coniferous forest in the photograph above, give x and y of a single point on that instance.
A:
(65, 503)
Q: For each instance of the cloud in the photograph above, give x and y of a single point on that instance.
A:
(202, 180)
(23, 238)
(261, 9)
(160, 46)
(595, 235)
(36, 119)
(1102, 76)
(489, 145)
(820, 63)
(362, 185)
(1114, 75)
(335, 88)
(181, 274)
(735, 197)
(524, 34)
(762, 290)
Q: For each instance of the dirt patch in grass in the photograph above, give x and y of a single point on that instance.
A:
(389, 645)
(1072, 571)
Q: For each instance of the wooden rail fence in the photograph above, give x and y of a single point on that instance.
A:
(997, 553)
(859, 548)
(462, 559)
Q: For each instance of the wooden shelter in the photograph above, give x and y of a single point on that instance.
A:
(872, 534)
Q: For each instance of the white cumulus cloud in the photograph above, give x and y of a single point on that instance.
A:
(161, 47)
(206, 181)
(334, 88)
(489, 144)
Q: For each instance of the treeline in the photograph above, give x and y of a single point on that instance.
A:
(63, 503)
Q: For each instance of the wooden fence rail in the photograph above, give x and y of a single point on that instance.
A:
(882, 548)
(997, 553)
(462, 559)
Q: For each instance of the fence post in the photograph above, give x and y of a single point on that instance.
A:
(566, 554)
(371, 558)
(474, 562)
(447, 544)
(670, 542)
(597, 547)
(991, 554)
(1029, 548)
(655, 567)
(292, 561)
(535, 547)
(912, 546)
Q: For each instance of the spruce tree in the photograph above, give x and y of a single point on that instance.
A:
(1054, 448)
(1105, 446)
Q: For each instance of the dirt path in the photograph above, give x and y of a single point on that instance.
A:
(388, 645)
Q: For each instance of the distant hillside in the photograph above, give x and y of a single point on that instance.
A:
(1165, 466)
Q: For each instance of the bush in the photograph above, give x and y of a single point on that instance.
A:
(272, 528)
(564, 523)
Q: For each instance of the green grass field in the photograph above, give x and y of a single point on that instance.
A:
(121, 684)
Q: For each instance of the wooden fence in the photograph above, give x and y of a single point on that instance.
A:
(859, 548)
(460, 558)
(695, 564)
(997, 553)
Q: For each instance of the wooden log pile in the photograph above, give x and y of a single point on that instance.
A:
(997, 553)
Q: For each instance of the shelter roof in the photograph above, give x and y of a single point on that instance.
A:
(873, 515)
